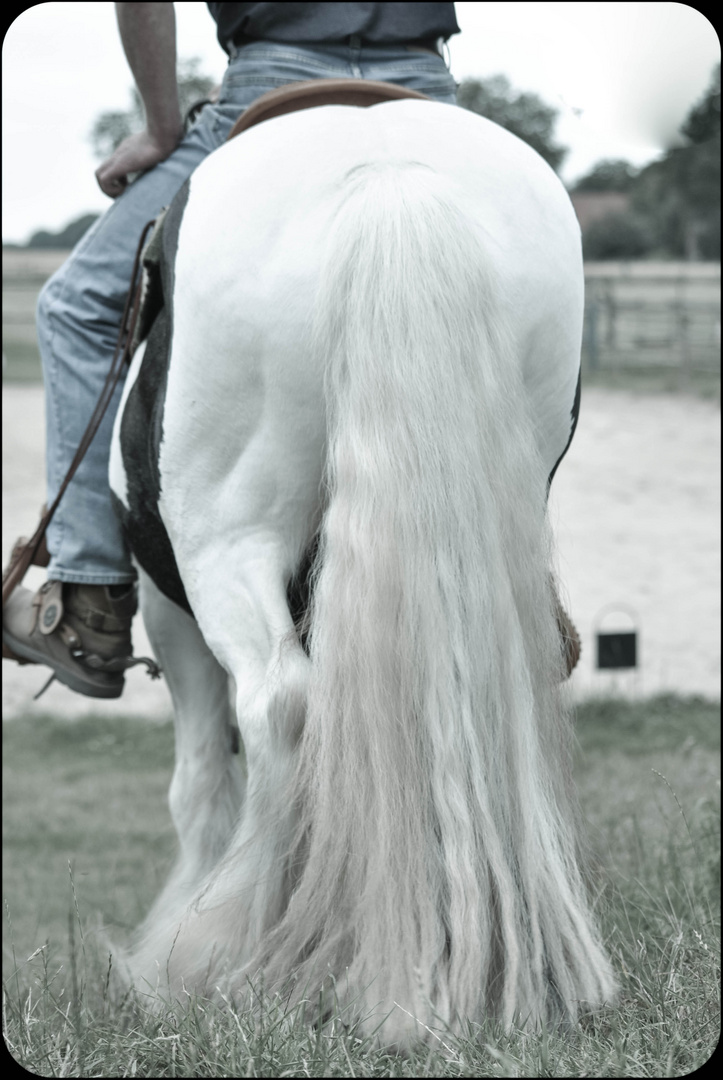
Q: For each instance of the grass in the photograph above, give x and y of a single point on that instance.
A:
(88, 838)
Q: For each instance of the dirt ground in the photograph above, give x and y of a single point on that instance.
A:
(636, 511)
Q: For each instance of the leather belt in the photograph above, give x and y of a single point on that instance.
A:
(431, 44)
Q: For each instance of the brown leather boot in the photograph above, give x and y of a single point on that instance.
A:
(82, 632)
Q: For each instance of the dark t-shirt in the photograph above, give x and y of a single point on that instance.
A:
(380, 24)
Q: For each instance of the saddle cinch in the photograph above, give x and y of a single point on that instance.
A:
(285, 99)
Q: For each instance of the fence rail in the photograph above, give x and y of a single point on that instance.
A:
(24, 274)
(637, 315)
(663, 315)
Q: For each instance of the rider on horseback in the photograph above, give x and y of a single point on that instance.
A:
(87, 604)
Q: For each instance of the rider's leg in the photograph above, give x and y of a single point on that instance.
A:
(89, 599)
(78, 320)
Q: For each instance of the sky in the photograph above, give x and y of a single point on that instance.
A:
(622, 75)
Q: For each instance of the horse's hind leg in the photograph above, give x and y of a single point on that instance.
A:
(271, 671)
(208, 780)
(243, 611)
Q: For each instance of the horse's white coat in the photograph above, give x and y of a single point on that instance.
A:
(431, 703)
(208, 784)
(116, 469)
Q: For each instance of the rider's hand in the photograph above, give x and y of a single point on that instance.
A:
(135, 154)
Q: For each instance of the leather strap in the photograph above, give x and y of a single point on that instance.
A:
(24, 554)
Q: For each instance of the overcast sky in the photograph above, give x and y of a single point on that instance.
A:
(623, 76)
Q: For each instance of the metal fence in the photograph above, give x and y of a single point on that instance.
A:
(644, 315)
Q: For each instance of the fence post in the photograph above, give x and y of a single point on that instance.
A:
(681, 327)
(591, 326)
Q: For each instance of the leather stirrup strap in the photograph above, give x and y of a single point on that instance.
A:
(23, 555)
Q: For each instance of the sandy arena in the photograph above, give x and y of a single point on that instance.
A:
(636, 511)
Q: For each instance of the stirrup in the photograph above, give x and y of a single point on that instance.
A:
(117, 663)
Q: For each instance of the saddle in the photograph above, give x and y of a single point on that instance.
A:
(308, 95)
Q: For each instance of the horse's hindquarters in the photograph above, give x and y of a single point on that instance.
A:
(383, 339)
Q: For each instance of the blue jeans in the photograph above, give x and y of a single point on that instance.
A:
(80, 307)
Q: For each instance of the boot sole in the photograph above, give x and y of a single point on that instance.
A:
(69, 678)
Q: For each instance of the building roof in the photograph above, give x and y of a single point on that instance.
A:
(592, 205)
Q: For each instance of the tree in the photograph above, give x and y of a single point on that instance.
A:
(67, 238)
(611, 174)
(674, 210)
(680, 193)
(703, 120)
(616, 236)
(524, 114)
(111, 128)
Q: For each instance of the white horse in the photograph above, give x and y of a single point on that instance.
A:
(374, 325)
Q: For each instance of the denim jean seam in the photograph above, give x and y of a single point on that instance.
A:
(222, 122)
(335, 71)
(287, 53)
(80, 577)
(335, 67)
(244, 81)
(408, 62)
(250, 78)
(426, 66)
(211, 118)
(442, 84)
(53, 401)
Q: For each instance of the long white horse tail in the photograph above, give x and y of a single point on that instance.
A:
(438, 862)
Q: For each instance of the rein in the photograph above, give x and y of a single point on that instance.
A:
(27, 552)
